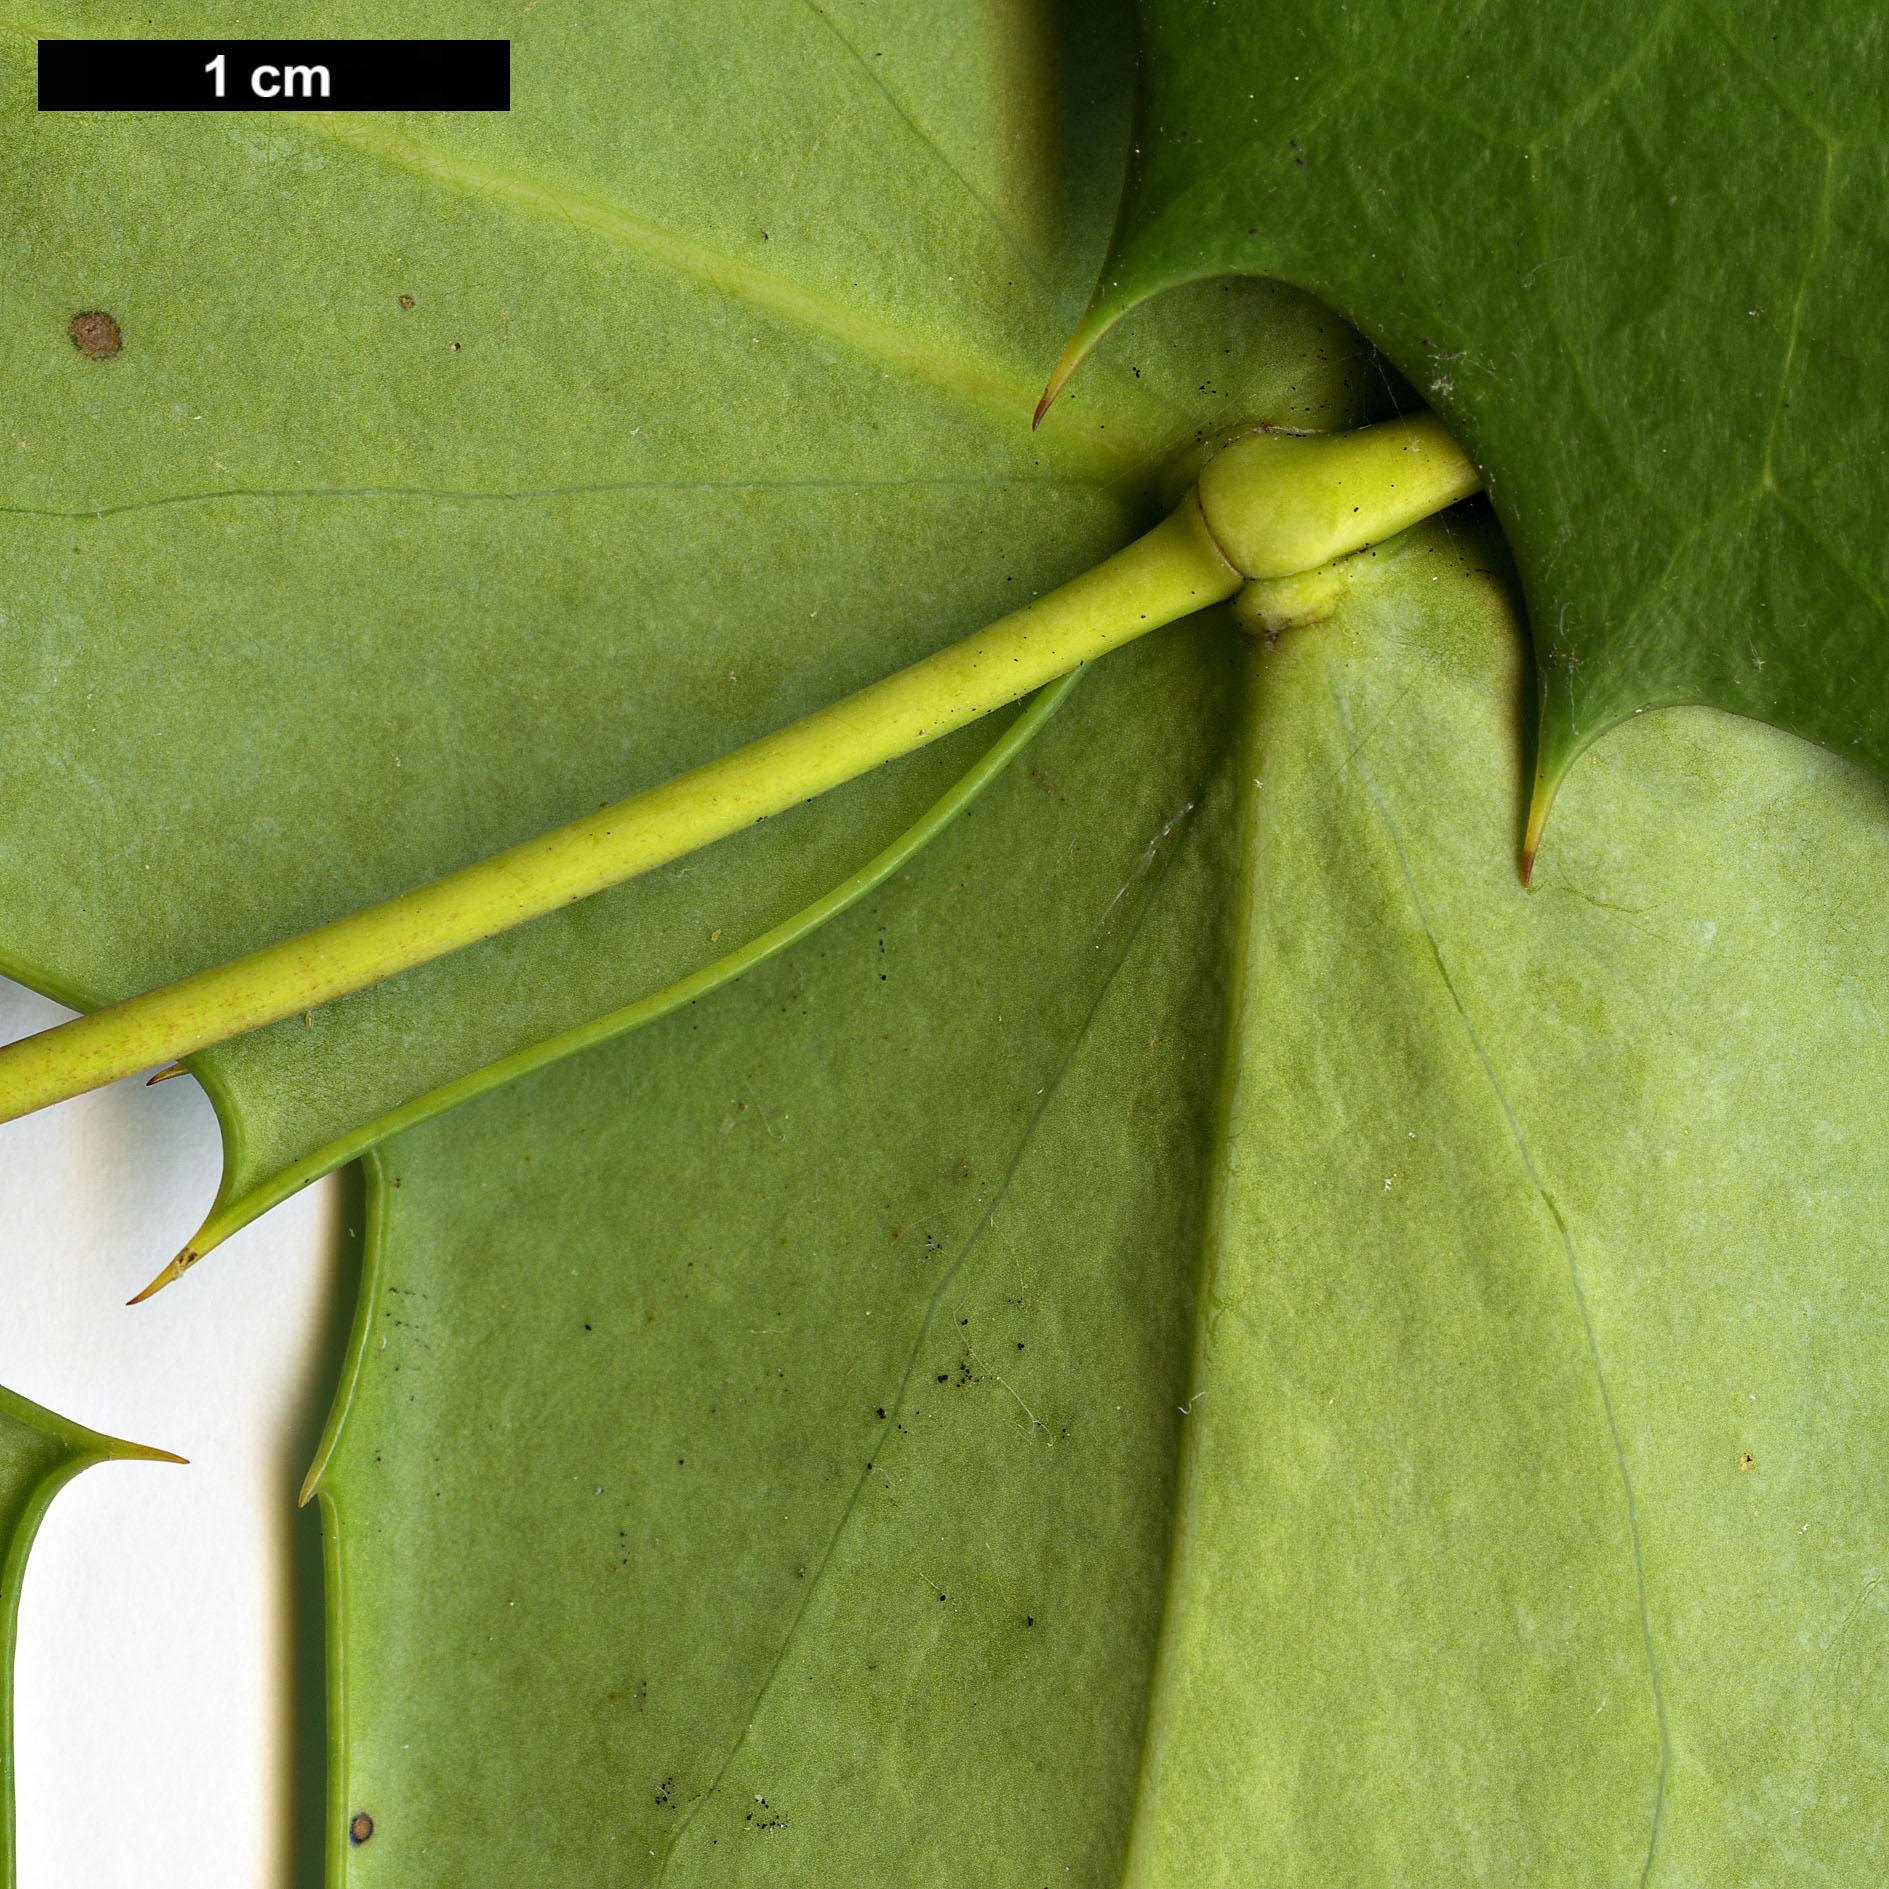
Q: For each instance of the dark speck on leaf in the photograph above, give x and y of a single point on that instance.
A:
(360, 1829)
(406, 301)
(95, 334)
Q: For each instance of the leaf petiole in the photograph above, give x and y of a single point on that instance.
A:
(1270, 506)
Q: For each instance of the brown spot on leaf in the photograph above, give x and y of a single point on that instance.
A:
(95, 334)
(1747, 1461)
(406, 301)
(360, 1829)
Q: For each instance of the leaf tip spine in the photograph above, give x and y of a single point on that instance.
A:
(1539, 803)
(1072, 358)
(169, 1276)
(143, 1453)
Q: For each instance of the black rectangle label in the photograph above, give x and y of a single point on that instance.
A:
(264, 75)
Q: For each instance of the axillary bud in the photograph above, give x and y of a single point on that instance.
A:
(1281, 503)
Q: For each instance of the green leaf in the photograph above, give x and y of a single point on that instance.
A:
(334, 606)
(755, 1301)
(1530, 1530)
(686, 433)
(1634, 258)
(39, 1454)
(1518, 1526)
(1514, 1517)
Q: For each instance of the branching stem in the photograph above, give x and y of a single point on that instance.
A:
(1270, 506)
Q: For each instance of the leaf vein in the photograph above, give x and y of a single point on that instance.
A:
(524, 495)
(986, 1220)
(1574, 1274)
(930, 144)
(980, 383)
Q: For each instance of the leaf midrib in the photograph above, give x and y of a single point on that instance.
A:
(977, 382)
(1148, 889)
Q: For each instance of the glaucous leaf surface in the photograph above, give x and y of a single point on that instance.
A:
(1633, 254)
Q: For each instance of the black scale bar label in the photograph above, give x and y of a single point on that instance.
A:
(263, 75)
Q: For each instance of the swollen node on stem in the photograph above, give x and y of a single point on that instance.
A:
(1281, 504)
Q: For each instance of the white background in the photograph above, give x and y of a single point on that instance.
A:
(168, 1682)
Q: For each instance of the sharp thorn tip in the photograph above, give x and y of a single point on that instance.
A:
(122, 1452)
(171, 1273)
